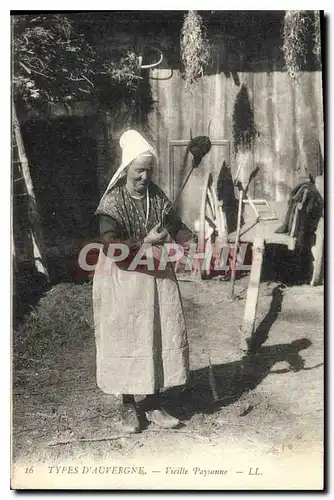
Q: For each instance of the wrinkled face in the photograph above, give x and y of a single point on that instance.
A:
(139, 173)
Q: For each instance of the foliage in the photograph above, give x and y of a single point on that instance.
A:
(317, 36)
(52, 61)
(301, 32)
(195, 48)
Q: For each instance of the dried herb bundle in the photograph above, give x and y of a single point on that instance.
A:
(301, 37)
(317, 36)
(195, 48)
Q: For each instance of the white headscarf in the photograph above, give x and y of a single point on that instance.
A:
(133, 144)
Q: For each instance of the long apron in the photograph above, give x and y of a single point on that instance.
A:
(141, 339)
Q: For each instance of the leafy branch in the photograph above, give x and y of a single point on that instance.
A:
(52, 61)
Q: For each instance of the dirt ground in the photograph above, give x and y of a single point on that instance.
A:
(269, 404)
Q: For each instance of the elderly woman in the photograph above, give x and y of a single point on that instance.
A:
(141, 339)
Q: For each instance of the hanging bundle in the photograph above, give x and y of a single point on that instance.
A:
(195, 48)
(301, 38)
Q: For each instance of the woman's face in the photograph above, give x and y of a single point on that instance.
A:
(139, 173)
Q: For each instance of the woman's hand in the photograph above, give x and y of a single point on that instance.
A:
(157, 235)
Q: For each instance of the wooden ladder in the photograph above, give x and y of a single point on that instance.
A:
(261, 208)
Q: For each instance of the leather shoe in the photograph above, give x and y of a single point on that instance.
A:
(162, 419)
(130, 422)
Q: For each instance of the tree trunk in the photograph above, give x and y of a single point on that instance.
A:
(33, 214)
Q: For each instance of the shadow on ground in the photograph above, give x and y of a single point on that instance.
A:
(210, 389)
(233, 380)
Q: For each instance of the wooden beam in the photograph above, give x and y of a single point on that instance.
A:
(253, 291)
(236, 245)
(33, 214)
(318, 248)
(214, 142)
(318, 254)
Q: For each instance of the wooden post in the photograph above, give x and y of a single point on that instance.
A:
(14, 263)
(253, 289)
(33, 215)
(318, 248)
(236, 245)
(318, 254)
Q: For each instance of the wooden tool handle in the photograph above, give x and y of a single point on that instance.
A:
(236, 244)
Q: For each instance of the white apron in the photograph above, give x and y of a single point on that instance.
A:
(141, 339)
